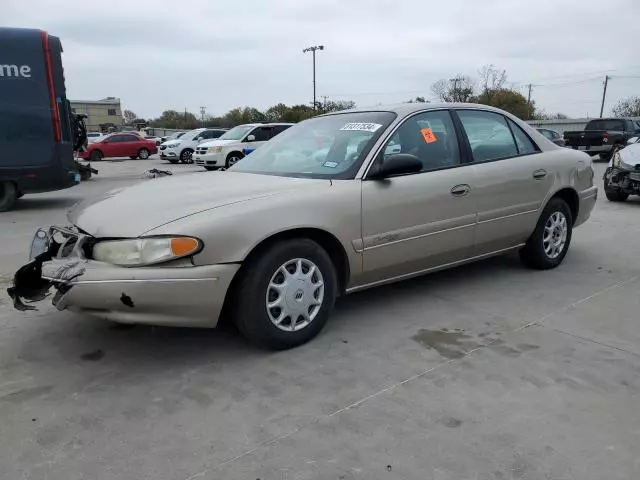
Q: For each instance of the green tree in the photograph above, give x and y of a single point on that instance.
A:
(337, 106)
(510, 100)
(629, 107)
(175, 119)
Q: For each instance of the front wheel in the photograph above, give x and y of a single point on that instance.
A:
(233, 158)
(549, 242)
(615, 195)
(96, 156)
(143, 154)
(285, 294)
(186, 156)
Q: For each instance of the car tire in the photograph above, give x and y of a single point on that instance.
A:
(186, 156)
(549, 242)
(232, 158)
(8, 196)
(615, 195)
(143, 154)
(273, 327)
(96, 156)
(605, 157)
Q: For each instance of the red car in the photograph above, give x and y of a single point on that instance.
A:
(120, 145)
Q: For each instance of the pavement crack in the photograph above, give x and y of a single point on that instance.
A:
(602, 344)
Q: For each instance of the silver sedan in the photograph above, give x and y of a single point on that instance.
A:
(335, 204)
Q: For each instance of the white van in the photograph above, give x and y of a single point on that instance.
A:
(229, 148)
(181, 149)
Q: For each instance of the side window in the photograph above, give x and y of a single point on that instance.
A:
(430, 136)
(279, 129)
(215, 133)
(488, 134)
(129, 138)
(262, 134)
(523, 142)
(206, 135)
(116, 139)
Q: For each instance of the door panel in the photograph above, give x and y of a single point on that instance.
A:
(509, 199)
(511, 180)
(414, 222)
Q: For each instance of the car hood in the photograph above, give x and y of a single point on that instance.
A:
(132, 211)
(631, 154)
(217, 143)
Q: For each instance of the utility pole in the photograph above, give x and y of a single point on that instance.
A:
(313, 51)
(324, 102)
(529, 96)
(203, 110)
(456, 93)
(604, 94)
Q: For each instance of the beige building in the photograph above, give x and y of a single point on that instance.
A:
(102, 115)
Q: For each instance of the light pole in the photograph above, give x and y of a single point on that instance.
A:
(313, 51)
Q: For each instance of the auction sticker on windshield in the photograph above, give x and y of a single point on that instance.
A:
(361, 127)
(428, 135)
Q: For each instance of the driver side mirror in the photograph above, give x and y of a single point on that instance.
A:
(398, 164)
(251, 138)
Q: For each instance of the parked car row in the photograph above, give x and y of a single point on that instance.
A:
(121, 144)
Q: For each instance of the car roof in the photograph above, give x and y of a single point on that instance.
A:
(404, 109)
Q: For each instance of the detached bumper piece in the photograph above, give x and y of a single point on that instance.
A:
(32, 282)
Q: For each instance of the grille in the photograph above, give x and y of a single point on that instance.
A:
(201, 150)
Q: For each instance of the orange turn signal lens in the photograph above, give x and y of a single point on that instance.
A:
(183, 246)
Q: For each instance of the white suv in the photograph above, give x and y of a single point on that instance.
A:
(230, 147)
(181, 149)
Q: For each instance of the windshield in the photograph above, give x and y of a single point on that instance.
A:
(175, 135)
(237, 133)
(332, 146)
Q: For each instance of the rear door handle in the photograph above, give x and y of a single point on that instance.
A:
(460, 190)
(538, 174)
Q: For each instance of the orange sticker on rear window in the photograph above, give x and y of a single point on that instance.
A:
(428, 135)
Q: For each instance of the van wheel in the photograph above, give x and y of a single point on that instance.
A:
(549, 242)
(285, 294)
(233, 158)
(96, 156)
(143, 154)
(8, 196)
(186, 156)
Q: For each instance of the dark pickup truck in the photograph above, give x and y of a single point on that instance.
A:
(603, 136)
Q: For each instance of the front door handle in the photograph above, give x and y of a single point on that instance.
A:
(539, 174)
(460, 190)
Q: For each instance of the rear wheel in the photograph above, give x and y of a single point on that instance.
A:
(285, 294)
(143, 154)
(96, 156)
(549, 242)
(186, 156)
(8, 196)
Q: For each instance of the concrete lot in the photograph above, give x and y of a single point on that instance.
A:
(484, 372)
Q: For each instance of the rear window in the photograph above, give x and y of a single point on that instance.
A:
(605, 125)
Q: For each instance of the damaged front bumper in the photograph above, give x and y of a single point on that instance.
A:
(183, 295)
(627, 181)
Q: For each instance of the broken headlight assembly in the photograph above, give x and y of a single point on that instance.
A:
(619, 164)
(140, 252)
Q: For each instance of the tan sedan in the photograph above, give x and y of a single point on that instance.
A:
(335, 204)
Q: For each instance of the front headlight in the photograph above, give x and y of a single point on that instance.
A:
(172, 145)
(145, 251)
(218, 149)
